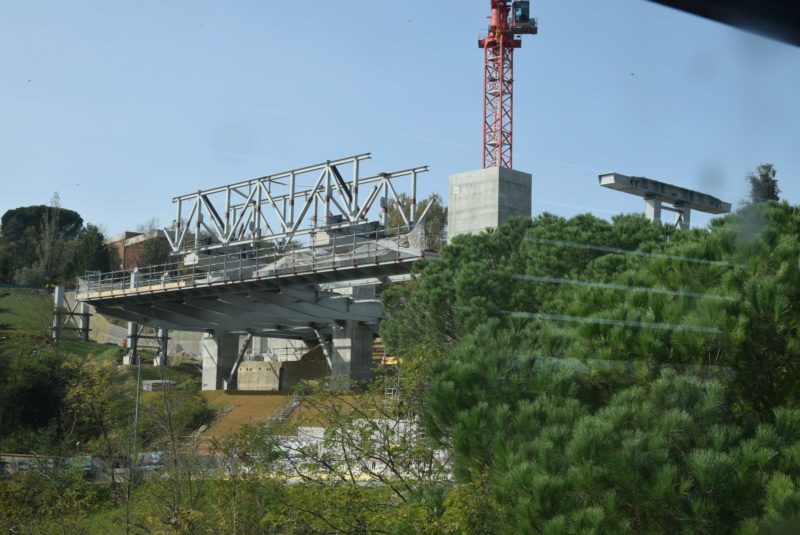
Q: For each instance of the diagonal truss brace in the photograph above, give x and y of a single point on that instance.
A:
(277, 209)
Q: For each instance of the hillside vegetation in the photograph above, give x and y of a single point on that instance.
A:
(592, 390)
(558, 376)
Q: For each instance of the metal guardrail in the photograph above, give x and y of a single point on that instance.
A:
(249, 263)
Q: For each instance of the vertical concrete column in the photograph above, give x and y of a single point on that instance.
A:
(220, 349)
(487, 198)
(133, 341)
(163, 340)
(652, 209)
(351, 357)
(682, 216)
(58, 304)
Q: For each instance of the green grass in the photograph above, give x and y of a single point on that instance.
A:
(25, 311)
(186, 376)
(98, 351)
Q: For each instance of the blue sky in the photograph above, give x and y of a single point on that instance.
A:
(120, 106)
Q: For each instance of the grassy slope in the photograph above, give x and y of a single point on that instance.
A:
(25, 311)
(241, 408)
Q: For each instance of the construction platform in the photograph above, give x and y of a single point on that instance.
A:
(266, 258)
(292, 296)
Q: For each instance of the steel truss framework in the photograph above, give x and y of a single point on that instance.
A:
(274, 208)
(249, 274)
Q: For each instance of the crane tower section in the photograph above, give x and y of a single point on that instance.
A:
(509, 21)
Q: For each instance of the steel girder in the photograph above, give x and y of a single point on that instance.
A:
(288, 312)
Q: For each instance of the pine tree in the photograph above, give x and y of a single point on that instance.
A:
(90, 254)
(763, 184)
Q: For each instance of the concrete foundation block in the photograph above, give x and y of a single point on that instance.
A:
(279, 375)
(487, 198)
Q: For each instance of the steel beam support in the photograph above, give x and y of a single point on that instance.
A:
(286, 316)
(325, 349)
(340, 305)
(235, 311)
(318, 305)
(146, 315)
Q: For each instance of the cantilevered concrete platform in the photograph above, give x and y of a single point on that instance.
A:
(656, 193)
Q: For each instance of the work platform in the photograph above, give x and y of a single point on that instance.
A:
(295, 296)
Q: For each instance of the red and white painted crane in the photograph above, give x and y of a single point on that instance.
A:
(509, 21)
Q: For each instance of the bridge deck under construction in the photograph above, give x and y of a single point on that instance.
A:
(291, 296)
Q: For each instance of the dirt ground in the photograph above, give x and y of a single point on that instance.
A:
(241, 408)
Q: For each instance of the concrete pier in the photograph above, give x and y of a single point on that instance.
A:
(487, 198)
(220, 349)
(351, 357)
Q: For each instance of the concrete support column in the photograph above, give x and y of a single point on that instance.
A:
(220, 349)
(652, 209)
(487, 198)
(58, 304)
(131, 357)
(351, 357)
(163, 340)
(682, 216)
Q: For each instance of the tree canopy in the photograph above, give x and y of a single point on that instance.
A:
(16, 221)
(90, 254)
(434, 221)
(616, 377)
(34, 242)
(763, 184)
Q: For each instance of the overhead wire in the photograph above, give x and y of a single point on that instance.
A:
(636, 253)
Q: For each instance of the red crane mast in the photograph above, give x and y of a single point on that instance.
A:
(509, 21)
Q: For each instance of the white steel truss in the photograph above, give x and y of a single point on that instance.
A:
(275, 209)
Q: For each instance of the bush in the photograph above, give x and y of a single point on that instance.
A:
(30, 276)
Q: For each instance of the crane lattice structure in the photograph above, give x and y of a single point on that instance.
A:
(509, 21)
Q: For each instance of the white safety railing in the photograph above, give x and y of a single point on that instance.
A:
(337, 251)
